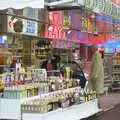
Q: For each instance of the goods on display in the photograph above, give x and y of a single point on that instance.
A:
(55, 100)
(40, 93)
(116, 67)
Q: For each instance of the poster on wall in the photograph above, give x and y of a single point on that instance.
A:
(66, 20)
(54, 30)
(18, 4)
(22, 26)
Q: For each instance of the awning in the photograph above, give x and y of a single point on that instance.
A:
(18, 4)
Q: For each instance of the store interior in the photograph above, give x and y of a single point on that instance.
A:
(52, 72)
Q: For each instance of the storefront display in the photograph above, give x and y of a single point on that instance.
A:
(41, 94)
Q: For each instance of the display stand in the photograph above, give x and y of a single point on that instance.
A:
(75, 112)
(10, 109)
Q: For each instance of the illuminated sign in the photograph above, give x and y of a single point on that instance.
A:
(55, 29)
(22, 26)
(56, 32)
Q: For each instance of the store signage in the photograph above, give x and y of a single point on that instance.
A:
(18, 4)
(56, 32)
(114, 10)
(108, 8)
(80, 2)
(22, 26)
(89, 3)
(84, 24)
(55, 28)
(88, 25)
(102, 6)
(66, 20)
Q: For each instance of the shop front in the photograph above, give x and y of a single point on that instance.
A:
(19, 33)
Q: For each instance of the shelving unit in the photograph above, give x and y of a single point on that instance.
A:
(116, 68)
(56, 101)
(116, 72)
(108, 61)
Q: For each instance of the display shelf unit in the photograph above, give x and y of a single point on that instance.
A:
(76, 112)
(11, 109)
(108, 61)
(116, 68)
(48, 104)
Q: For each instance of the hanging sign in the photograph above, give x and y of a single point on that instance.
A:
(84, 24)
(114, 10)
(100, 6)
(18, 4)
(89, 3)
(22, 26)
(66, 20)
(108, 8)
(89, 25)
(80, 2)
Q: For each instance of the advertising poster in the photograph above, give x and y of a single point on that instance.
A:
(22, 26)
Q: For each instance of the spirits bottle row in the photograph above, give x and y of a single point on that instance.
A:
(58, 100)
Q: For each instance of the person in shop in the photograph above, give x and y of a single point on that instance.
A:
(51, 63)
(47, 64)
(13, 64)
(96, 81)
(55, 62)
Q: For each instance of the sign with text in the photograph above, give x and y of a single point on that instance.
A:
(22, 26)
(18, 4)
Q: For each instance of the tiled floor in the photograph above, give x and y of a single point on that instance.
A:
(109, 101)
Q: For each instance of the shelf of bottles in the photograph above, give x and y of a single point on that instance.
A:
(116, 67)
(39, 93)
(42, 49)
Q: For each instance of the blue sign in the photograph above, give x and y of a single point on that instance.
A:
(30, 28)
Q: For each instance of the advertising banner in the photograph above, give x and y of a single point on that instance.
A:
(18, 4)
(89, 3)
(22, 26)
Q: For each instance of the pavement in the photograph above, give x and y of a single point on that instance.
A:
(109, 101)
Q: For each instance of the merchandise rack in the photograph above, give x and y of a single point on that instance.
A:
(116, 69)
(12, 109)
(15, 109)
(75, 112)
